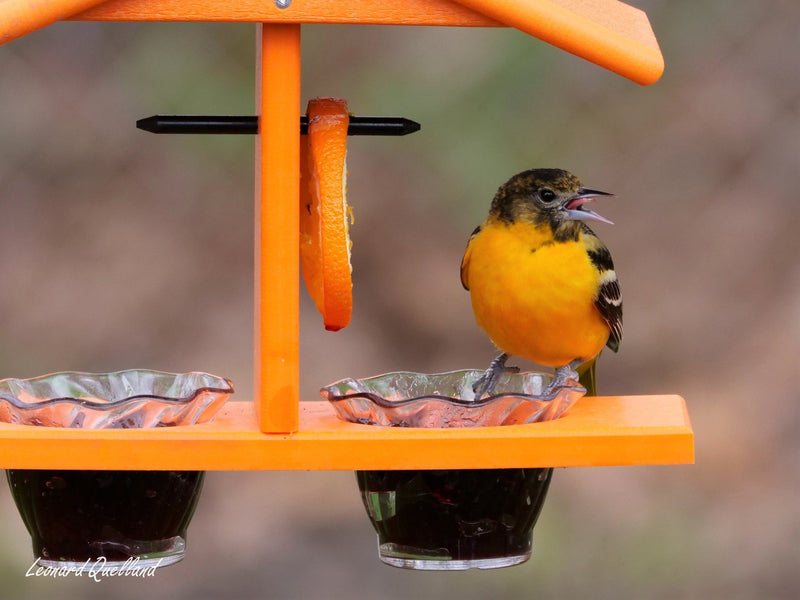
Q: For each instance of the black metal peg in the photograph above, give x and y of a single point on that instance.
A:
(249, 125)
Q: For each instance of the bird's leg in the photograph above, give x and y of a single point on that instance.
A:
(564, 374)
(485, 383)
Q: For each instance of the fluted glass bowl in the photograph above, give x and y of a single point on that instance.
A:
(408, 399)
(135, 398)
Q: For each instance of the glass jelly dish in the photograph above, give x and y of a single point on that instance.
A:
(459, 518)
(81, 518)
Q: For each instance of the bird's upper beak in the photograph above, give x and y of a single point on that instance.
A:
(577, 212)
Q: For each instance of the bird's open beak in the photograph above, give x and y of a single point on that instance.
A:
(577, 212)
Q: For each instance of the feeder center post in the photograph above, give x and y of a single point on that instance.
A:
(277, 272)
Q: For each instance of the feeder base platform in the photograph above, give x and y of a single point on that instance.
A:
(597, 431)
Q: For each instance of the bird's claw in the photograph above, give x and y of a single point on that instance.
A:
(486, 383)
(563, 376)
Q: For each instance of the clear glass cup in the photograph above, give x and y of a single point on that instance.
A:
(78, 518)
(454, 519)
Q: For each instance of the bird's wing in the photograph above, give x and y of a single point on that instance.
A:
(465, 260)
(609, 296)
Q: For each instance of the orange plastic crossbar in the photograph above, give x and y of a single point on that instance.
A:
(599, 431)
(383, 12)
(277, 277)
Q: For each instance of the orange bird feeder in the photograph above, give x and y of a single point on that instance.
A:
(276, 431)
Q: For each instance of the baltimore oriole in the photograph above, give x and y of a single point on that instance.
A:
(542, 284)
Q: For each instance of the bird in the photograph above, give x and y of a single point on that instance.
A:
(542, 284)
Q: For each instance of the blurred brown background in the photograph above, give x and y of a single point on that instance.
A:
(124, 249)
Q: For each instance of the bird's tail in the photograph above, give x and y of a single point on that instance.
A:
(587, 376)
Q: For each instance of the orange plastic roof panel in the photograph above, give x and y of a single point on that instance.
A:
(20, 17)
(609, 33)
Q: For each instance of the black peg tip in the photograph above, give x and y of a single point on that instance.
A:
(148, 124)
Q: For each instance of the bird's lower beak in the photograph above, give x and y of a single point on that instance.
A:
(577, 212)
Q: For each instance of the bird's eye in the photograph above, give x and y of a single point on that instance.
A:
(547, 195)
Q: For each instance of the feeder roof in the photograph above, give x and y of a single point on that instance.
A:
(609, 33)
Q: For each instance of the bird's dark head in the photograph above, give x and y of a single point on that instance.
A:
(546, 196)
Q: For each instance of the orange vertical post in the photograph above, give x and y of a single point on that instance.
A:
(277, 273)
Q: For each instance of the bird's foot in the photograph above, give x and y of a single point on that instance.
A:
(486, 383)
(562, 376)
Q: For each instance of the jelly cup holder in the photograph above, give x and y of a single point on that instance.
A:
(117, 517)
(452, 519)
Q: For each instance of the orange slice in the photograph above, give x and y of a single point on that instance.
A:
(324, 214)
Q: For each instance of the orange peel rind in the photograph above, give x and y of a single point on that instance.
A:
(324, 213)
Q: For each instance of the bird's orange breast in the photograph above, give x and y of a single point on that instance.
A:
(533, 296)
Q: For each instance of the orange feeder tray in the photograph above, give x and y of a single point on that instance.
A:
(276, 431)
